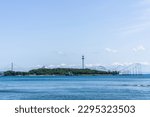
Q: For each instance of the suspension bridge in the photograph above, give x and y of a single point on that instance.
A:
(132, 69)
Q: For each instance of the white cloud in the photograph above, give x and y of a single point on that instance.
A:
(144, 63)
(122, 64)
(129, 63)
(139, 48)
(60, 53)
(63, 64)
(111, 50)
(51, 66)
(93, 65)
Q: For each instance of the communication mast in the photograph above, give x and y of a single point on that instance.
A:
(83, 62)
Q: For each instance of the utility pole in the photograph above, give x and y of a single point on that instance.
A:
(83, 62)
(12, 66)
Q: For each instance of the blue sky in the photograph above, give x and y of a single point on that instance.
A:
(58, 32)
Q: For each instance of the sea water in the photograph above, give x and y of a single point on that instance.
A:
(119, 87)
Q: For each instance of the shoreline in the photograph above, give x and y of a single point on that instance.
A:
(63, 75)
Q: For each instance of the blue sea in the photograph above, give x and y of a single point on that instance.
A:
(119, 87)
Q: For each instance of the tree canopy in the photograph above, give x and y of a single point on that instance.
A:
(60, 71)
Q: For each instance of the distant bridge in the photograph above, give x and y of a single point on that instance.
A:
(133, 69)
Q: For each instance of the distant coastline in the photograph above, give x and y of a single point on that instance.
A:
(59, 71)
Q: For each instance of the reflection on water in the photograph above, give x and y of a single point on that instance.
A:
(75, 88)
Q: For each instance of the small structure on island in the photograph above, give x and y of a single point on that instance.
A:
(12, 66)
(83, 62)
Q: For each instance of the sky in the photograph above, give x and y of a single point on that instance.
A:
(56, 33)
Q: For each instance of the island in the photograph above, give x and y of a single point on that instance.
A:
(59, 71)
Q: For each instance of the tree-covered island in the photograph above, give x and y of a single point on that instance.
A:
(60, 71)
